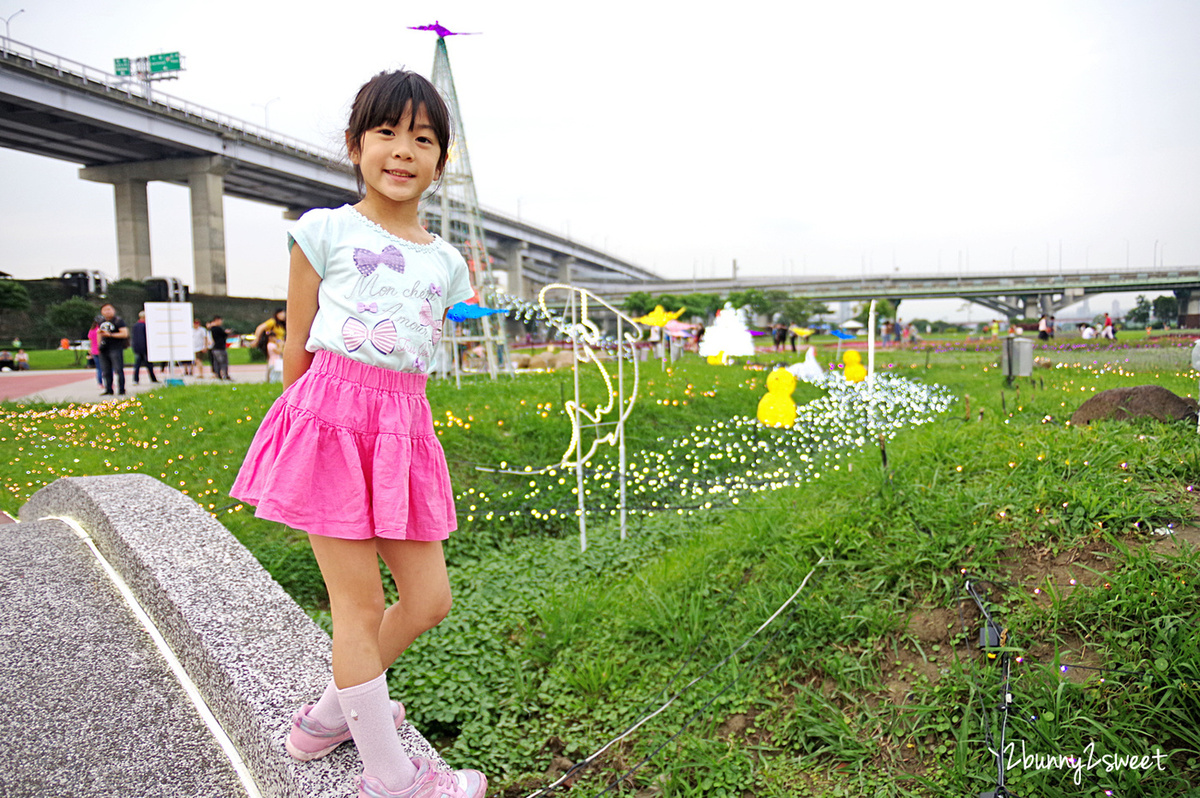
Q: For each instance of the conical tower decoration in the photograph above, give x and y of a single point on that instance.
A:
(454, 212)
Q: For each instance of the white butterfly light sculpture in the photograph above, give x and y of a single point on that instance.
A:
(587, 339)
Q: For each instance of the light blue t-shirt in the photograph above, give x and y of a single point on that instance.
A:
(381, 298)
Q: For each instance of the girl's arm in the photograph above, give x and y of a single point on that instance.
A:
(303, 283)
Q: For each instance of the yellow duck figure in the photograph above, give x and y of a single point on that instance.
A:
(855, 371)
(777, 409)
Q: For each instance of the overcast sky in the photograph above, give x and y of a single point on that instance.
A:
(802, 137)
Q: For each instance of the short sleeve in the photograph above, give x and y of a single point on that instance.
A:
(311, 232)
(460, 289)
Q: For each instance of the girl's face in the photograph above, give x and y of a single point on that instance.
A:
(398, 164)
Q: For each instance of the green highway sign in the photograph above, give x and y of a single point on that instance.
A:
(164, 62)
(122, 66)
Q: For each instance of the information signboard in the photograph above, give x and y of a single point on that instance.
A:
(169, 331)
(122, 67)
(164, 62)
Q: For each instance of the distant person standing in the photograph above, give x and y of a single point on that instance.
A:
(274, 358)
(141, 351)
(94, 350)
(219, 354)
(1107, 331)
(1043, 328)
(277, 324)
(201, 344)
(114, 335)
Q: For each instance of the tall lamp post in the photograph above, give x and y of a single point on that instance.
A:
(9, 19)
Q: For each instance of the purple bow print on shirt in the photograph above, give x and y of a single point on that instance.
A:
(367, 261)
(382, 336)
(366, 307)
(425, 316)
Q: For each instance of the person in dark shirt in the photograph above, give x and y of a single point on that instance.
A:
(114, 335)
(218, 356)
(141, 352)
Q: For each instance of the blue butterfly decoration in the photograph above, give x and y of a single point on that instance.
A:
(463, 312)
(843, 334)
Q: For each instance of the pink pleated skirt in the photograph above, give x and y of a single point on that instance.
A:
(349, 451)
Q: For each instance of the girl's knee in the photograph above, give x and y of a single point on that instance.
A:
(359, 611)
(434, 610)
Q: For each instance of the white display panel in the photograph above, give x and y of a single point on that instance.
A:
(169, 331)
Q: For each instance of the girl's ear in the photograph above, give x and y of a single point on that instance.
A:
(352, 149)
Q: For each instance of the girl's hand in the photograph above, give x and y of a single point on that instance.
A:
(303, 284)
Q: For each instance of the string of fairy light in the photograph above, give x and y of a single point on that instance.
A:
(722, 462)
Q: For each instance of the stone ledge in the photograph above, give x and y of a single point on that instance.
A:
(252, 652)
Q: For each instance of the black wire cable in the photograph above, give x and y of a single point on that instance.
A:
(584, 763)
(591, 758)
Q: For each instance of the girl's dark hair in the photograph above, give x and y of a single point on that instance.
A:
(383, 100)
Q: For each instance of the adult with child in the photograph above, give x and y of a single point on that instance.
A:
(348, 452)
(141, 350)
(114, 335)
(218, 355)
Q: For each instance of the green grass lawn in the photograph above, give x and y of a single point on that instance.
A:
(871, 682)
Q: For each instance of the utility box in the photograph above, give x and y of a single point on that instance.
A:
(1016, 357)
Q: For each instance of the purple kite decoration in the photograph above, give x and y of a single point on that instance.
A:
(440, 30)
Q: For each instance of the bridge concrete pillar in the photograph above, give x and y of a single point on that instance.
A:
(133, 230)
(206, 178)
(208, 230)
(514, 260)
(566, 269)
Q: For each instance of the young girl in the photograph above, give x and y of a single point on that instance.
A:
(348, 453)
(274, 358)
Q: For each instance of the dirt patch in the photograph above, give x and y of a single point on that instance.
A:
(1039, 570)
(1139, 401)
(734, 725)
(918, 652)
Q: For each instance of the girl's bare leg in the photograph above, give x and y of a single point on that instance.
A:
(419, 568)
(356, 604)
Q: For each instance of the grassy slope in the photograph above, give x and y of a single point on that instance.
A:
(550, 652)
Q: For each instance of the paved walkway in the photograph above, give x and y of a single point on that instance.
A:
(79, 385)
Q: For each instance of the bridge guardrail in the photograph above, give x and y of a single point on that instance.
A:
(131, 88)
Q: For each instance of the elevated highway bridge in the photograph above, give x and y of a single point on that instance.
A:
(121, 133)
(1010, 294)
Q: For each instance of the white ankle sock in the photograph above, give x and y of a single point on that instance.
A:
(328, 711)
(368, 711)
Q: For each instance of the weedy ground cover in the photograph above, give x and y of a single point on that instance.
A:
(871, 683)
